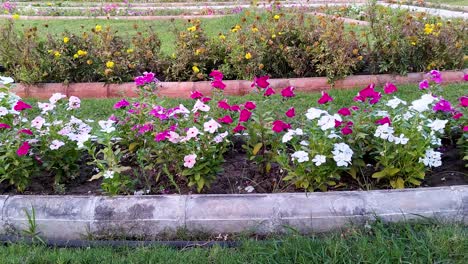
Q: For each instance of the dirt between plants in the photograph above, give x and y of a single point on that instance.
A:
(239, 176)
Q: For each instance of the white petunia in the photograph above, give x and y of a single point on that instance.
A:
(422, 104)
(395, 102)
(319, 160)
(73, 103)
(190, 160)
(192, 132)
(56, 97)
(326, 122)
(401, 139)
(56, 144)
(6, 80)
(107, 126)
(432, 158)
(45, 107)
(220, 137)
(3, 111)
(211, 126)
(38, 122)
(437, 125)
(174, 137)
(108, 174)
(342, 154)
(199, 105)
(300, 156)
(313, 113)
(384, 132)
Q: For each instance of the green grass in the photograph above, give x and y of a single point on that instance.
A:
(395, 243)
(450, 2)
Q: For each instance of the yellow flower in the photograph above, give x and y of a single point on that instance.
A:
(248, 56)
(195, 69)
(82, 53)
(66, 39)
(413, 43)
(15, 16)
(192, 28)
(75, 56)
(439, 24)
(98, 28)
(254, 29)
(129, 51)
(222, 37)
(273, 36)
(198, 51)
(89, 62)
(110, 64)
(276, 17)
(236, 28)
(428, 28)
(57, 54)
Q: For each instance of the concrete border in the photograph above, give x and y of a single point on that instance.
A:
(149, 217)
(233, 87)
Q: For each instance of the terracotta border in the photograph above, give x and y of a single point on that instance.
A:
(233, 87)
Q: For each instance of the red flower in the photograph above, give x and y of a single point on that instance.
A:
(218, 84)
(25, 131)
(279, 126)
(325, 98)
(23, 149)
(464, 100)
(20, 106)
(291, 112)
(206, 99)
(383, 121)
(288, 92)
(226, 119)
(4, 126)
(224, 105)
(390, 88)
(344, 111)
(269, 91)
(235, 108)
(457, 115)
(261, 82)
(217, 75)
(239, 128)
(196, 95)
(250, 105)
(244, 115)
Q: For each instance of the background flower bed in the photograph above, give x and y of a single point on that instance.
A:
(248, 44)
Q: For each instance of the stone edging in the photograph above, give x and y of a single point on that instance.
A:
(233, 87)
(75, 217)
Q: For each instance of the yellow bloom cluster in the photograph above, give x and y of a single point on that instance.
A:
(66, 40)
(15, 16)
(236, 28)
(428, 28)
(98, 28)
(248, 56)
(110, 64)
(57, 54)
(276, 17)
(129, 51)
(222, 37)
(192, 28)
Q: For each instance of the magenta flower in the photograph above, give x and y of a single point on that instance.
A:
(217, 75)
(244, 115)
(206, 99)
(346, 130)
(291, 112)
(436, 76)
(424, 84)
(344, 111)
(465, 128)
(161, 136)
(354, 108)
(261, 82)
(269, 91)
(25, 131)
(235, 108)
(4, 126)
(465, 77)
(121, 104)
(325, 98)
(20, 106)
(145, 128)
(279, 126)
(368, 93)
(463, 101)
(218, 84)
(338, 123)
(288, 92)
(457, 115)
(250, 105)
(140, 81)
(23, 149)
(224, 105)
(383, 121)
(390, 88)
(149, 77)
(226, 119)
(196, 95)
(443, 106)
(239, 128)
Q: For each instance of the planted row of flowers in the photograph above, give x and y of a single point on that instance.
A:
(398, 140)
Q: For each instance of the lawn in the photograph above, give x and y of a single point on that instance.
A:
(450, 2)
(378, 243)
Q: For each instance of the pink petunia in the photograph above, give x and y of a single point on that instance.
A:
(25, 131)
(465, 77)
(239, 128)
(291, 112)
(369, 94)
(261, 82)
(217, 75)
(465, 128)
(235, 108)
(23, 149)
(20, 106)
(269, 91)
(288, 92)
(424, 84)
(250, 105)
(4, 126)
(226, 119)
(224, 105)
(383, 121)
(121, 104)
(161, 136)
(279, 126)
(457, 115)
(196, 95)
(346, 130)
(206, 99)
(325, 98)
(435, 76)
(244, 115)
(442, 106)
(344, 111)
(218, 84)
(390, 88)
(463, 101)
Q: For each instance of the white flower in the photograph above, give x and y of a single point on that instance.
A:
(381, 113)
(326, 122)
(108, 174)
(3, 111)
(56, 144)
(107, 126)
(422, 104)
(192, 132)
(304, 143)
(319, 160)
(314, 113)
(220, 137)
(74, 103)
(6, 80)
(182, 110)
(333, 135)
(190, 160)
(401, 139)
(211, 126)
(342, 154)
(292, 132)
(300, 156)
(395, 102)
(46, 107)
(407, 115)
(432, 158)
(173, 137)
(384, 132)
(435, 140)
(38, 122)
(81, 139)
(199, 105)
(56, 97)
(437, 125)
(249, 189)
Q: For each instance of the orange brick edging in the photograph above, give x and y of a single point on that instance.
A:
(233, 87)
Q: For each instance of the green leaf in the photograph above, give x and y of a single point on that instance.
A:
(96, 176)
(379, 174)
(414, 181)
(132, 146)
(257, 148)
(392, 171)
(400, 183)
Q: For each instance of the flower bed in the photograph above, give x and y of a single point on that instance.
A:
(380, 142)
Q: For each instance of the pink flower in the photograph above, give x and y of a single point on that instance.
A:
(463, 101)
(269, 91)
(121, 104)
(443, 106)
(261, 82)
(465, 128)
(338, 123)
(344, 111)
(140, 81)
(325, 98)
(149, 77)
(288, 92)
(217, 75)
(368, 93)
(457, 115)
(436, 76)
(196, 95)
(244, 115)
(224, 105)
(145, 128)
(218, 84)
(235, 108)
(161, 136)
(23, 149)
(424, 85)
(383, 121)
(279, 126)
(291, 112)
(206, 99)
(390, 88)
(20, 106)
(354, 108)
(239, 128)
(250, 105)
(4, 126)
(346, 130)
(465, 77)
(190, 160)
(25, 131)
(226, 119)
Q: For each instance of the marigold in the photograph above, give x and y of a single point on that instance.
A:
(110, 64)
(254, 29)
(248, 56)
(236, 28)
(428, 28)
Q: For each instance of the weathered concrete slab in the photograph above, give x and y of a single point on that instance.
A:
(3, 198)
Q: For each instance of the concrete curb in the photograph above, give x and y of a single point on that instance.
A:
(233, 87)
(149, 217)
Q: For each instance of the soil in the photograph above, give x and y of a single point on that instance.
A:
(239, 173)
